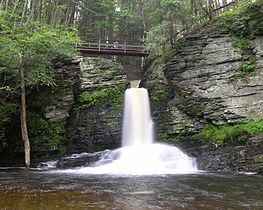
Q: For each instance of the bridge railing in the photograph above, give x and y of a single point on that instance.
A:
(115, 45)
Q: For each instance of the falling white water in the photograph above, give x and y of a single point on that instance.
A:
(139, 154)
(137, 123)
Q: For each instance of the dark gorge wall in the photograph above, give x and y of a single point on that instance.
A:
(81, 113)
(48, 109)
(96, 117)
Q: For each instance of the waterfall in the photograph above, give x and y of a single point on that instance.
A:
(137, 122)
(139, 155)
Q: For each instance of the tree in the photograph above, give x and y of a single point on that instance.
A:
(29, 51)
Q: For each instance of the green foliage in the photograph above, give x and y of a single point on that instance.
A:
(159, 96)
(8, 80)
(101, 97)
(175, 139)
(6, 113)
(89, 99)
(33, 47)
(227, 18)
(44, 135)
(157, 38)
(165, 58)
(113, 124)
(248, 65)
(167, 55)
(242, 43)
(246, 19)
(236, 133)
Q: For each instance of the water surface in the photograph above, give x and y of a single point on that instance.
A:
(34, 189)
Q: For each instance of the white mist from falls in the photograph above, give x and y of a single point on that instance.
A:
(139, 155)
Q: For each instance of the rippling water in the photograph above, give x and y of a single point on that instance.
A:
(33, 189)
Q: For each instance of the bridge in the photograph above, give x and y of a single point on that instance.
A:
(120, 48)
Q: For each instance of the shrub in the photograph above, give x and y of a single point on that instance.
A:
(242, 43)
(248, 65)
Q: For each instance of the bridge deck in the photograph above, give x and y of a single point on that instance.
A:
(114, 48)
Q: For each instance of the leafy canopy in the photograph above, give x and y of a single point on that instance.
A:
(33, 47)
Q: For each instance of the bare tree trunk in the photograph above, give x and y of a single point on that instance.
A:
(23, 117)
(33, 10)
(72, 15)
(217, 3)
(194, 7)
(53, 14)
(24, 11)
(15, 6)
(144, 21)
(66, 21)
(110, 28)
(6, 6)
(210, 8)
(39, 15)
(171, 28)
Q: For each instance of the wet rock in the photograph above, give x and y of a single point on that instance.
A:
(77, 160)
(247, 157)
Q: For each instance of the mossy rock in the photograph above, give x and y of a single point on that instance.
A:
(44, 135)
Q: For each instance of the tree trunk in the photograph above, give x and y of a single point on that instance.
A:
(210, 9)
(6, 5)
(15, 6)
(24, 12)
(39, 15)
(171, 28)
(23, 117)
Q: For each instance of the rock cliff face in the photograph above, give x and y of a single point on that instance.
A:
(83, 113)
(95, 121)
(207, 81)
(207, 85)
(49, 107)
(55, 103)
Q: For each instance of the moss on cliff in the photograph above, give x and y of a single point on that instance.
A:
(101, 97)
(236, 134)
(45, 136)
